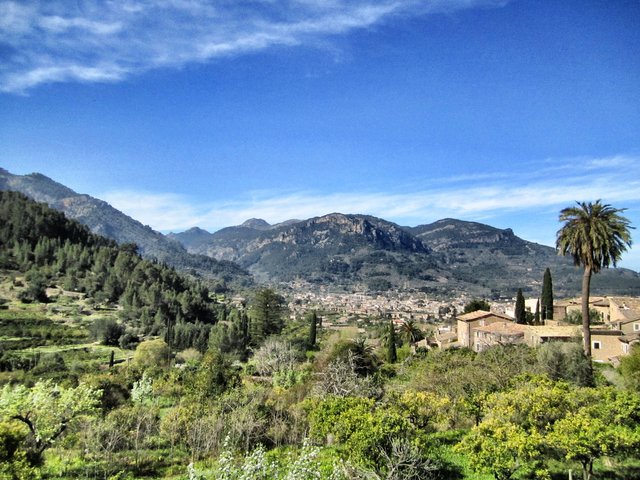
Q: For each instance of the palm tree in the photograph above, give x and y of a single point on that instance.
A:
(411, 332)
(595, 235)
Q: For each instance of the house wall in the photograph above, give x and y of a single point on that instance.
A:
(609, 346)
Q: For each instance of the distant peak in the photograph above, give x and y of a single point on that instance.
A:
(196, 230)
(256, 223)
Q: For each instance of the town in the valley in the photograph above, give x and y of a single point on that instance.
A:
(615, 326)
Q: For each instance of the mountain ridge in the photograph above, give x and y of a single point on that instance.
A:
(346, 252)
(104, 219)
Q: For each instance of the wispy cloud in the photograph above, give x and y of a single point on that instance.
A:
(47, 41)
(470, 199)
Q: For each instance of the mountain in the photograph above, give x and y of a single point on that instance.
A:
(495, 258)
(363, 252)
(103, 219)
(341, 252)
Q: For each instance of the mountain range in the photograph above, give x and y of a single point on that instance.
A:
(105, 220)
(342, 252)
(358, 252)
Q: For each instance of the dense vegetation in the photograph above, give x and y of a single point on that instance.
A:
(181, 384)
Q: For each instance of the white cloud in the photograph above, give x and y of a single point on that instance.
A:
(468, 200)
(57, 40)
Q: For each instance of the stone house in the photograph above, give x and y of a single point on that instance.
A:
(468, 322)
(498, 333)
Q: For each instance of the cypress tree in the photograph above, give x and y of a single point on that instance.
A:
(520, 312)
(313, 328)
(392, 354)
(547, 296)
(536, 317)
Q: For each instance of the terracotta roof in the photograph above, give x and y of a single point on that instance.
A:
(601, 331)
(635, 318)
(596, 301)
(478, 314)
(634, 337)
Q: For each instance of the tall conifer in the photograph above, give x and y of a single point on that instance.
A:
(313, 328)
(520, 312)
(547, 296)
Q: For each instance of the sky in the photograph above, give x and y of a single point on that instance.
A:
(186, 113)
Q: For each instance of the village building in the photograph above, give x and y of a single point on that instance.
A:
(498, 333)
(605, 344)
(628, 341)
(536, 335)
(468, 322)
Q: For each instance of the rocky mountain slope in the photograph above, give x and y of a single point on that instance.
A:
(361, 252)
(340, 251)
(105, 220)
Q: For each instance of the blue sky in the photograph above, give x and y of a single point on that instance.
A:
(193, 112)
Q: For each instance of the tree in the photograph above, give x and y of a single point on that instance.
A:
(392, 353)
(313, 328)
(477, 304)
(547, 296)
(47, 410)
(520, 312)
(267, 310)
(151, 353)
(411, 332)
(630, 369)
(602, 422)
(595, 235)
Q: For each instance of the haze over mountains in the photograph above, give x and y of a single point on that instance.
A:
(340, 251)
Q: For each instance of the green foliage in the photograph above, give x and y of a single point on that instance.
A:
(13, 461)
(574, 317)
(546, 298)
(477, 304)
(603, 422)
(54, 250)
(594, 234)
(107, 331)
(630, 369)
(363, 428)
(313, 328)
(358, 352)
(214, 376)
(151, 354)
(392, 353)
(267, 312)
(565, 361)
(47, 410)
(539, 418)
(520, 312)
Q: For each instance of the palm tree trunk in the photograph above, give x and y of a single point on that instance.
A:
(586, 323)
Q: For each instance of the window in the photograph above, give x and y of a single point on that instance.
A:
(597, 345)
(636, 327)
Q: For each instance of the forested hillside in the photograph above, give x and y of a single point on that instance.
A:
(51, 251)
(102, 219)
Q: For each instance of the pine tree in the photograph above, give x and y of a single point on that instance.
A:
(520, 313)
(547, 296)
